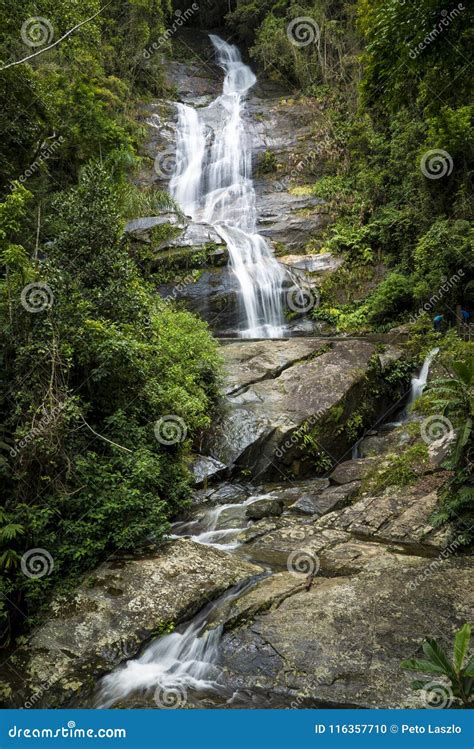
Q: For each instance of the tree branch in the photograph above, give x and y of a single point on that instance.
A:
(54, 44)
(101, 436)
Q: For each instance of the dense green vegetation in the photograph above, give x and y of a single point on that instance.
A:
(91, 359)
(396, 136)
(393, 84)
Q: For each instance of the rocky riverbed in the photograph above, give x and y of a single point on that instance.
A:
(339, 584)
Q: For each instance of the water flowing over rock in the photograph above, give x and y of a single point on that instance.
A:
(213, 184)
(274, 389)
(118, 608)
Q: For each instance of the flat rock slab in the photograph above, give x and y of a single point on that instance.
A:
(249, 362)
(400, 515)
(331, 499)
(321, 264)
(352, 470)
(341, 642)
(344, 540)
(117, 609)
(274, 387)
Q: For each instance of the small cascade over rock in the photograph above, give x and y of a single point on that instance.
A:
(178, 666)
(213, 184)
(418, 384)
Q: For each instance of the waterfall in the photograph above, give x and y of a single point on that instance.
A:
(418, 384)
(178, 668)
(213, 184)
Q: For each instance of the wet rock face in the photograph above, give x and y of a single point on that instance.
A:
(276, 387)
(352, 470)
(264, 508)
(214, 297)
(341, 642)
(116, 610)
(381, 573)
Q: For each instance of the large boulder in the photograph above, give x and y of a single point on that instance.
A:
(263, 508)
(339, 642)
(118, 608)
(352, 470)
(276, 388)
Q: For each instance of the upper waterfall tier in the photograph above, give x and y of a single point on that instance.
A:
(213, 183)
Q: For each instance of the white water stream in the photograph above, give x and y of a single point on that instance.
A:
(177, 669)
(213, 184)
(181, 667)
(418, 384)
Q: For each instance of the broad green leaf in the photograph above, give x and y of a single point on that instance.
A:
(438, 657)
(412, 664)
(461, 645)
(464, 371)
(469, 670)
(417, 684)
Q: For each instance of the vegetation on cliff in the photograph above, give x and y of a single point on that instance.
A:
(91, 359)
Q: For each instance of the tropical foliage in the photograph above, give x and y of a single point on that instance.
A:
(91, 359)
(458, 672)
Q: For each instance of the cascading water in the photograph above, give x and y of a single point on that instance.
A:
(178, 668)
(213, 184)
(183, 665)
(418, 384)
